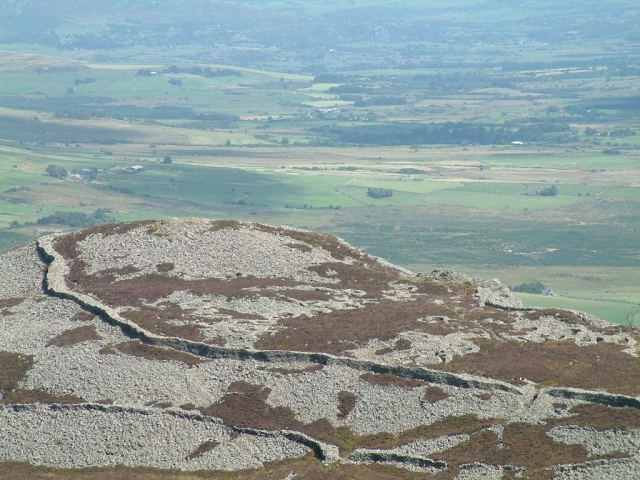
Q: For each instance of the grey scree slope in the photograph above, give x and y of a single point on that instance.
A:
(117, 389)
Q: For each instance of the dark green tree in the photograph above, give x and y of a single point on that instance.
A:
(56, 171)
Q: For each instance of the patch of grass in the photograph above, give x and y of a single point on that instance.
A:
(623, 192)
(12, 239)
(609, 310)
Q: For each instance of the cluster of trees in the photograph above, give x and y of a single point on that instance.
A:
(530, 287)
(76, 114)
(448, 133)
(551, 191)
(207, 72)
(78, 81)
(77, 219)
(349, 88)
(621, 132)
(84, 111)
(379, 192)
(56, 171)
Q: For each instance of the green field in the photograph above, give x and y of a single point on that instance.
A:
(292, 112)
(615, 312)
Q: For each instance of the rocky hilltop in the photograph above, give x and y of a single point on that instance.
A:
(237, 350)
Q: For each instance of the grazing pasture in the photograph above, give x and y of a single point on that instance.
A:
(292, 112)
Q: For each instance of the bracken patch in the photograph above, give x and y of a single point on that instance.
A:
(451, 425)
(137, 349)
(13, 368)
(20, 395)
(307, 468)
(434, 394)
(321, 240)
(217, 225)
(75, 336)
(11, 302)
(295, 371)
(346, 403)
(342, 330)
(165, 267)
(300, 246)
(158, 322)
(202, 449)
(522, 445)
(571, 318)
(602, 417)
(402, 344)
(245, 406)
(7, 303)
(82, 317)
(388, 379)
(553, 363)
(159, 404)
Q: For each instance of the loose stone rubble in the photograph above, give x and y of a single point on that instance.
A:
(220, 374)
